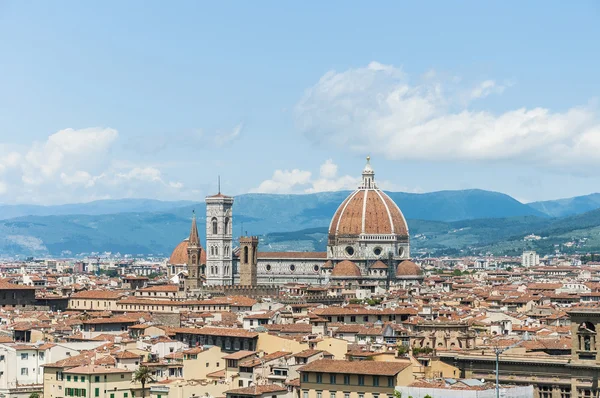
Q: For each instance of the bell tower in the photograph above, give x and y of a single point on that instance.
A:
(219, 264)
(194, 251)
(248, 260)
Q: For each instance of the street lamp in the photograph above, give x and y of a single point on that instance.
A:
(499, 351)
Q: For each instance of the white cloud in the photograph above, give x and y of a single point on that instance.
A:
(77, 165)
(284, 181)
(377, 110)
(302, 181)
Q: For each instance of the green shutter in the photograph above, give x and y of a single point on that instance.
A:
(97, 392)
(83, 392)
(82, 378)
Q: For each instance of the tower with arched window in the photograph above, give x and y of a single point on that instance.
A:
(219, 264)
(248, 260)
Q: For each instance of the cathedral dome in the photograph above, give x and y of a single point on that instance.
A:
(379, 265)
(346, 268)
(408, 268)
(180, 254)
(367, 211)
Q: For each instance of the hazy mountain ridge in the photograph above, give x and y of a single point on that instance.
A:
(438, 221)
(568, 206)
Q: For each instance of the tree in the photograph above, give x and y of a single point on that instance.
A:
(457, 272)
(143, 375)
(402, 350)
(34, 395)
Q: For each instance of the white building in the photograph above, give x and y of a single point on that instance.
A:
(530, 259)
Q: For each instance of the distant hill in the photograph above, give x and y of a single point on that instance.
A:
(111, 206)
(568, 206)
(498, 236)
(138, 226)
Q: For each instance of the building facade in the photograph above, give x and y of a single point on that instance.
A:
(367, 244)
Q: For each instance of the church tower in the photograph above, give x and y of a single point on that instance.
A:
(248, 260)
(219, 264)
(194, 251)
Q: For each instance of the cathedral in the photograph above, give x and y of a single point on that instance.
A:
(367, 245)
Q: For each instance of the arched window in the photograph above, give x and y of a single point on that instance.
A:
(214, 225)
(226, 225)
(194, 259)
(245, 254)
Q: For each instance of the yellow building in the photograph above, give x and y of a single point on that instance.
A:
(97, 381)
(94, 300)
(328, 378)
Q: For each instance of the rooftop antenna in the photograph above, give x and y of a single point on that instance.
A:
(219, 177)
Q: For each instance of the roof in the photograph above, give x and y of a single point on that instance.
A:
(212, 331)
(408, 268)
(97, 294)
(356, 367)
(368, 211)
(180, 254)
(239, 355)
(291, 255)
(346, 268)
(161, 288)
(95, 369)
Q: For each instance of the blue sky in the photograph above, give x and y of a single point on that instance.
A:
(154, 99)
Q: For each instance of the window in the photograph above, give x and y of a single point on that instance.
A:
(24, 356)
(361, 395)
(112, 395)
(545, 391)
(24, 371)
(347, 380)
(68, 377)
(375, 381)
(390, 381)
(305, 377)
(332, 378)
(75, 378)
(83, 392)
(97, 379)
(241, 383)
(82, 378)
(319, 378)
(346, 395)
(96, 392)
(332, 394)
(125, 395)
(565, 392)
(304, 394)
(41, 355)
(361, 380)
(319, 394)
(122, 376)
(214, 231)
(353, 318)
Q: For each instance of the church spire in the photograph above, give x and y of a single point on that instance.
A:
(194, 240)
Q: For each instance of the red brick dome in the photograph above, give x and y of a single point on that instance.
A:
(346, 268)
(408, 268)
(180, 254)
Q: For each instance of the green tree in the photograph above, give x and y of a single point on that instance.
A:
(143, 375)
(34, 395)
(457, 272)
(402, 350)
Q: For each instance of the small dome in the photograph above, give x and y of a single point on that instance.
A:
(346, 268)
(379, 265)
(328, 265)
(180, 254)
(408, 268)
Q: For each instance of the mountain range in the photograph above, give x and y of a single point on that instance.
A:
(444, 222)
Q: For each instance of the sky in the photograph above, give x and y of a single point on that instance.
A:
(157, 99)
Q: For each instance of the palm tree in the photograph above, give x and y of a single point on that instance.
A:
(143, 375)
